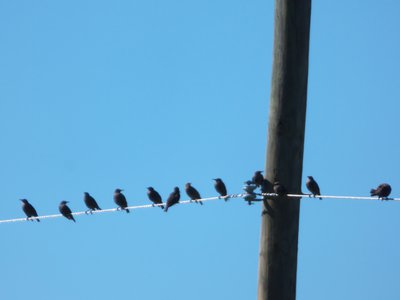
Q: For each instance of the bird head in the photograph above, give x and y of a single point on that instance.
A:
(217, 179)
(86, 193)
(310, 177)
(150, 188)
(187, 184)
(64, 202)
(259, 172)
(118, 190)
(24, 200)
(176, 189)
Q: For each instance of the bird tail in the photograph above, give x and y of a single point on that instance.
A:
(200, 202)
(38, 220)
(226, 198)
(373, 192)
(166, 209)
(127, 210)
(320, 198)
(162, 207)
(72, 218)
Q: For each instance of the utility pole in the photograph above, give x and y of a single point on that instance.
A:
(287, 116)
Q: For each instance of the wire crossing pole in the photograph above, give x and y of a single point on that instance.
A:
(287, 116)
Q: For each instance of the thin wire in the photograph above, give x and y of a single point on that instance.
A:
(331, 197)
(79, 213)
(272, 195)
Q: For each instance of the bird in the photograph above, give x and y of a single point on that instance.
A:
(313, 187)
(382, 191)
(258, 178)
(192, 193)
(65, 210)
(265, 186)
(154, 196)
(220, 188)
(279, 188)
(29, 210)
(173, 198)
(120, 200)
(90, 203)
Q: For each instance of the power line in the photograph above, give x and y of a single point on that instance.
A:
(79, 213)
(271, 195)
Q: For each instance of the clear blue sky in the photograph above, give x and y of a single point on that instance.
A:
(97, 95)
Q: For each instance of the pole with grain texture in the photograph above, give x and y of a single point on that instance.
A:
(287, 116)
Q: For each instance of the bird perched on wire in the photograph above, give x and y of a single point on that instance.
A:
(154, 196)
(220, 188)
(382, 191)
(65, 210)
(193, 194)
(29, 210)
(90, 203)
(279, 188)
(173, 198)
(265, 186)
(313, 187)
(120, 200)
(258, 178)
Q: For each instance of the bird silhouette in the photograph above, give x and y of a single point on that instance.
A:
(154, 196)
(173, 198)
(120, 200)
(258, 178)
(220, 188)
(65, 210)
(29, 210)
(313, 187)
(382, 191)
(193, 194)
(90, 202)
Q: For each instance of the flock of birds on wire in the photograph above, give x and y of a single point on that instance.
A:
(258, 181)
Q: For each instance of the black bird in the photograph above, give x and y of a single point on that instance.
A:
(154, 196)
(258, 178)
(220, 187)
(193, 193)
(90, 203)
(279, 188)
(313, 187)
(120, 200)
(382, 191)
(29, 210)
(65, 210)
(265, 186)
(173, 198)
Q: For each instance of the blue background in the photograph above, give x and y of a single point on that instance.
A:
(96, 95)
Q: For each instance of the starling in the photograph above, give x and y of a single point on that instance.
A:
(193, 193)
(220, 187)
(90, 203)
(120, 200)
(382, 191)
(258, 178)
(313, 187)
(154, 196)
(279, 188)
(265, 186)
(65, 210)
(173, 198)
(29, 210)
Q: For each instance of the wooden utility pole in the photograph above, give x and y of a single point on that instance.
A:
(287, 116)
